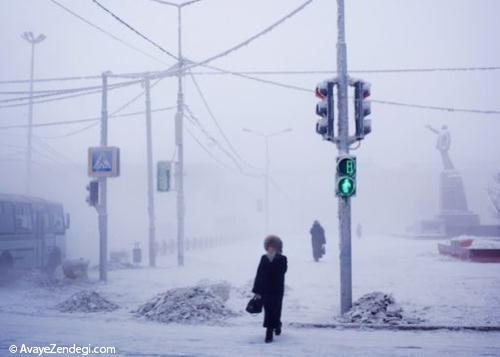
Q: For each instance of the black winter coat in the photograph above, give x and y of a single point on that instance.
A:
(318, 234)
(270, 278)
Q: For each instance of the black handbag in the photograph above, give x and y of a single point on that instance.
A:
(254, 306)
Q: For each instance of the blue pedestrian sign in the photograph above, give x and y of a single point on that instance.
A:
(104, 161)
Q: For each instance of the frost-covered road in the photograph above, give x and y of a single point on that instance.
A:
(151, 339)
(436, 288)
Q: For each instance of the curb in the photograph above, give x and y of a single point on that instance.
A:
(480, 328)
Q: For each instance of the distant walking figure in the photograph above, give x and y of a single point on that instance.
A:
(359, 230)
(318, 240)
(269, 284)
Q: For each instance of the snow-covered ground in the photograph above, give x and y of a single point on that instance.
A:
(438, 289)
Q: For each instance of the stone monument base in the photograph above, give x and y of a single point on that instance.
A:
(454, 218)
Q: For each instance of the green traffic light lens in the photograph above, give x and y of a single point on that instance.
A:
(346, 186)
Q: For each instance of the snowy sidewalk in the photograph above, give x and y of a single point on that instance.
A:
(140, 338)
(440, 290)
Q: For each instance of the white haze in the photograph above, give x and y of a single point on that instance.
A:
(397, 164)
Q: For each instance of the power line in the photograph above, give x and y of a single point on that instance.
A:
(100, 29)
(270, 82)
(80, 121)
(51, 99)
(112, 115)
(197, 122)
(200, 144)
(254, 37)
(48, 148)
(264, 73)
(218, 160)
(187, 3)
(61, 96)
(387, 70)
(51, 93)
(211, 114)
(261, 80)
(384, 102)
(78, 78)
(134, 30)
(432, 107)
(217, 56)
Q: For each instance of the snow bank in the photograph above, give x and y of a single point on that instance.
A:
(203, 303)
(377, 308)
(86, 301)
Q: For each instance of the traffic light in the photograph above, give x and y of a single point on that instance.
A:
(325, 109)
(362, 108)
(163, 176)
(346, 176)
(93, 196)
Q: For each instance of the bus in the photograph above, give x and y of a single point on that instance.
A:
(32, 233)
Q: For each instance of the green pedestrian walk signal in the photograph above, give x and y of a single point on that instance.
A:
(346, 176)
(346, 187)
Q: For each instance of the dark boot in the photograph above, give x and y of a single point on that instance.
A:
(277, 331)
(269, 335)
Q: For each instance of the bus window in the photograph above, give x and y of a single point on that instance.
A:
(24, 222)
(6, 217)
(57, 219)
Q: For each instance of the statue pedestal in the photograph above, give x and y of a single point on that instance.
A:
(452, 192)
(454, 217)
(454, 212)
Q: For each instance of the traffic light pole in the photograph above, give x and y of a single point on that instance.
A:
(102, 208)
(149, 151)
(344, 211)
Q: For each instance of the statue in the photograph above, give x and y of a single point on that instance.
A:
(443, 145)
(454, 217)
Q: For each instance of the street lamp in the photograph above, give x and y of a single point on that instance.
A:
(179, 131)
(33, 40)
(267, 136)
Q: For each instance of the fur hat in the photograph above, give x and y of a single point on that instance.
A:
(275, 242)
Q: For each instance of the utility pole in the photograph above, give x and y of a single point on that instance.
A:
(179, 132)
(28, 36)
(179, 141)
(344, 211)
(266, 137)
(149, 150)
(103, 208)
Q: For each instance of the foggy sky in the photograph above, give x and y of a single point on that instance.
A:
(397, 164)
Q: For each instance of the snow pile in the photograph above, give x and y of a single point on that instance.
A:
(244, 291)
(377, 308)
(86, 301)
(203, 303)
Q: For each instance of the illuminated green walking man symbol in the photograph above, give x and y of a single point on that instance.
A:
(346, 186)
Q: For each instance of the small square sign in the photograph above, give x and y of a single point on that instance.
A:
(104, 161)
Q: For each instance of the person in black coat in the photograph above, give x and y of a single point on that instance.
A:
(269, 284)
(318, 240)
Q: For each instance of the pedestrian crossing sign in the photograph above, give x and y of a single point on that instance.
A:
(104, 161)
